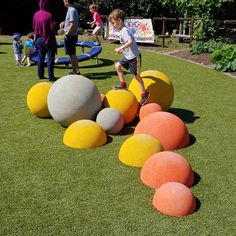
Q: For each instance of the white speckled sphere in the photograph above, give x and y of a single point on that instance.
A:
(72, 98)
(111, 120)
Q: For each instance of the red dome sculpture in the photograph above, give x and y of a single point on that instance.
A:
(174, 199)
(148, 109)
(168, 128)
(163, 167)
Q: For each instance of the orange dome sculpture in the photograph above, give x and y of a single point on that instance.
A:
(174, 199)
(168, 128)
(163, 167)
(148, 109)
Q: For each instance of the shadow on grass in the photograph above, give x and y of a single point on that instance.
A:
(4, 43)
(3, 52)
(100, 76)
(197, 178)
(198, 204)
(129, 128)
(109, 139)
(192, 140)
(102, 62)
(185, 115)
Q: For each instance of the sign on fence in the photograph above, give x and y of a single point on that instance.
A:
(141, 28)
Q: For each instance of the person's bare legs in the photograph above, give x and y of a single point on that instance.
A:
(120, 72)
(140, 83)
(74, 63)
(95, 33)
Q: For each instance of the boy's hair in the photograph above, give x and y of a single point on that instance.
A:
(117, 14)
(71, 1)
(93, 6)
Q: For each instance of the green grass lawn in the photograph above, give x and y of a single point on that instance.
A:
(50, 189)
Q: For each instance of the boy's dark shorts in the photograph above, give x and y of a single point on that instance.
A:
(70, 42)
(134, 65)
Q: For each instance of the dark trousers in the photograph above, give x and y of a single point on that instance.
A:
(42, 51)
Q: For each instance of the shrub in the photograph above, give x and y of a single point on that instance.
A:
(205, 47)
(224, 59)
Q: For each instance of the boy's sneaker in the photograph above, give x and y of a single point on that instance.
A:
(144, 98)
(74, 73)
(119, 86)
(97, 43)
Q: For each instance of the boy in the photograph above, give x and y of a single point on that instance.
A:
(17, 48)
(132, 55)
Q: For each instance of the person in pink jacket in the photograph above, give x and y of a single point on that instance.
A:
(97, 22)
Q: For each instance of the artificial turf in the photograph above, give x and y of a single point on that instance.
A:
(50, 189)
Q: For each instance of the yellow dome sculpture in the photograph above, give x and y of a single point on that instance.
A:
(37, 99)
(124, 101)
(84, 134)
(158, 84)
(138, 148)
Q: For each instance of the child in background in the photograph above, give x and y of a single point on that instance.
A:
(97, 22)
(17, 48)
(132, 55)
(29, 48)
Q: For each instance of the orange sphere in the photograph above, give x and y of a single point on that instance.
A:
(174, 199)
(148, 109)
(168, 128)
(163, 167)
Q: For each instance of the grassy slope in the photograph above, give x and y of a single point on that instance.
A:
(50, 189)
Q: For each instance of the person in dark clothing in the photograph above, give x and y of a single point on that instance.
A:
(45, 39)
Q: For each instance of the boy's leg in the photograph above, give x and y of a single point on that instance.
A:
(28, 61)
(120, 73)
(135, 68)
(22, 61)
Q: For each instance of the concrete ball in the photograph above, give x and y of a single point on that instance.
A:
(72, 98)
(111, 120)
(37, 99)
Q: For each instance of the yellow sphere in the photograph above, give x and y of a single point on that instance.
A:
(84, 134)
(37, 99)
(158, 84)
(138, 148)
(124, 101)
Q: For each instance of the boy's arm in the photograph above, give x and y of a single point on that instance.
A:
(71, 26)
(124, 46)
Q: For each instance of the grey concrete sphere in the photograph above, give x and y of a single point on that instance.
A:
(72, 98)
(111, 120)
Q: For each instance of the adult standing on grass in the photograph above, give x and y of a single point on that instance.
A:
(45, 40)
(71, 25)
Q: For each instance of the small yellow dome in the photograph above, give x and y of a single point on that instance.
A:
(138, 148)
(84, 134)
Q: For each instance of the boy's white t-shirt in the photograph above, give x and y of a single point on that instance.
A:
(132, 51)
